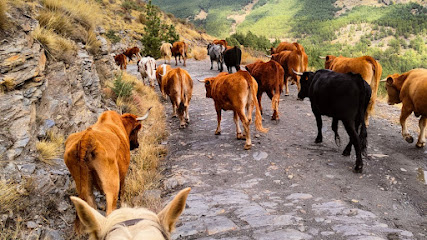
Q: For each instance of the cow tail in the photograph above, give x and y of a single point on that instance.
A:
(85, 149)
(181, 106)
(258, 118)
(365, 96)
(375, 83)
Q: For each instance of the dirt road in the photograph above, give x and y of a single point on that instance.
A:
(286, 186)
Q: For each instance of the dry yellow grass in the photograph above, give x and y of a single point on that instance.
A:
(7, 84)
(250, 56)
(9, 195)
(143, 171)
(199, 53)
(50, 148)
(56, 46)
(3, 17)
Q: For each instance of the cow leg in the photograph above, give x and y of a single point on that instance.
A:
(111, 188)
(237, 68)
(335, 129)
(187, 115)
(176, 62)
(319, 137)
(403, 116)
(245, 123)
(355, 141)
(422, 137)
(174, 107)
(286, 86)
(211, 64)
(218, 117)
(259, 96)
(369, 111)
(185, 64)
(240, 136)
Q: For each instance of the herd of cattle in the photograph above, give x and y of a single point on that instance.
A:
(345, 90)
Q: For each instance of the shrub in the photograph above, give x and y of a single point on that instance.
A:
(3, 17)
(56, 46)
(121, 88)
(111, 34)
(199, 53)
(131, 5)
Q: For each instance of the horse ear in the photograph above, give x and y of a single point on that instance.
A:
(170, 214)
(91, 219)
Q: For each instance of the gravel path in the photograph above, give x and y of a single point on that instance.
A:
(286, 186)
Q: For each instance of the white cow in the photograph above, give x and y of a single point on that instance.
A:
(147, 68)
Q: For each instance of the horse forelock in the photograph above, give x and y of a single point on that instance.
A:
(149, 226)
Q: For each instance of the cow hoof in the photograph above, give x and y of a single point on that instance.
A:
(358, 169)
(241, 137)
(420, 145)
(346, 153)
(247, 147)
(217, 133)
(409, 139)
(318, 140)
(174, 116)
(182, 126)
(286, 94)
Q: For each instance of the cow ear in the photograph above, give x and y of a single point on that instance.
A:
(207, 83)
(327, 58)
(389, 81)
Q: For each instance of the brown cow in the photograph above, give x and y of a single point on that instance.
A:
(290, 60)
(130, 52)
(99, 157)
(410, 89)
(179, 49)
(269, 76)
(121, 61)
(222, 42)
(286, 46)
(161, 71)
(366, 66)
(235, 92)
(178, 85)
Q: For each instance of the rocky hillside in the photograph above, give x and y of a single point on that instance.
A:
(56, 68)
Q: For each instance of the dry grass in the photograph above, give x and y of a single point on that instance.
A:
(56, 46)
(250, 56)
(50, 148)
(199, 53)
(8, 84)
(3, 17)
(9, 195)
(143, 171)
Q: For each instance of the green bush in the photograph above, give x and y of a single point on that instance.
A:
(112, 36)
(121, 88)
(131, 5)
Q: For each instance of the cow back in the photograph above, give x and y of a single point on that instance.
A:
(268, 75)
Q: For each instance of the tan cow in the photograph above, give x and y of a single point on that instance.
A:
(179, 49)
(236, 92)
(178, 85)
(161, 71)
(99, 157)
(165, 51)
(222, 42)
(366, 66)
(410, 89)
(269, 76)
(283, 46)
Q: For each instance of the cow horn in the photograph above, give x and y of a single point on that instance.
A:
(269, 56)
(200, 80)
(322, 57)
(145, 116)
(383, 80)
(297, 73)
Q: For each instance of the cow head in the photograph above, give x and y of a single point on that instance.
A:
(305, 82)
(208, 86)
(392, 91)
(132, 124)
(208, 47)
(328, 61)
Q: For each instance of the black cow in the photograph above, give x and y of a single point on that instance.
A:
(232, 58)
(342, 96)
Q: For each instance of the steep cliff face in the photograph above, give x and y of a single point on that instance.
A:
(38, 95)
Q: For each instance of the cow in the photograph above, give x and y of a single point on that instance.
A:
(410, 89)
(283, 46)
(179, 49)
(132, 223)
(222, 42)
(178, 85)
(99, 157)
(235, 92)
(232, 58)
(121, 61)
(216, 53)
(269, 76)
(130, 52)
(342, 96)
(166, 51)
(290, 60)
(147, 69)
(161, 71)
(366, 66)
